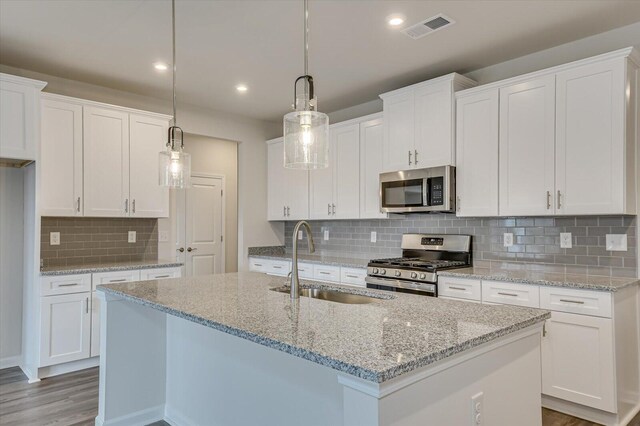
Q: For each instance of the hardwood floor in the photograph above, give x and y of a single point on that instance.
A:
(72, 399)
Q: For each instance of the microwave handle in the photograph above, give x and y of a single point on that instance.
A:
(425, 192)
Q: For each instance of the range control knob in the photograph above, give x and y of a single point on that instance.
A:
(423, 276)
(414, 275)
(383, 271)
(398, 273)
(375, 270)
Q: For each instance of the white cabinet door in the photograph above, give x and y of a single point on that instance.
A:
(399, 131)
(147, 137)
(276, 207)
(65, 328)
(590, 132)
(477, 154)
(106, 162)
(18, 121)
(577, 360)
(296, 193)
(61, 158)
(346, 169)
(321, 182)
(527, 148)
(434, 126)
(371, 165)
(114, 277)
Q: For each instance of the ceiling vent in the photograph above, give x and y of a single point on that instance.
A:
(428, 26)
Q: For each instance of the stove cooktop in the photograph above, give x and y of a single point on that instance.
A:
(417, 263)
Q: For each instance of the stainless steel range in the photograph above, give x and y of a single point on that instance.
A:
(423, 255)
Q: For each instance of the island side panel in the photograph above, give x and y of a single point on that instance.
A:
(132, 363)
(214, 378)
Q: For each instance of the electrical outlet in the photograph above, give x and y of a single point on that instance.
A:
(54, 238)
(374, 236)
(507, 239)
(299, 234)
(132, 237)
(477, 402)
(326, 235)
(616, 242)
(565, 240)
(163, 236)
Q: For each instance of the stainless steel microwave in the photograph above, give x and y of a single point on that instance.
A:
(418, 190)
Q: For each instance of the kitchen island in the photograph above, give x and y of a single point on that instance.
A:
(228, 350)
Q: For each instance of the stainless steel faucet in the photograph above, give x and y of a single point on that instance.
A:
(295, 282)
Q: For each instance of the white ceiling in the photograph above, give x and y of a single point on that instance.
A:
(354, 54)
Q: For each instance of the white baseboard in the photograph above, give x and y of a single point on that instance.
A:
(68, 367)
(581, 411)
(176, 418)
(10, 361)
(139, 418)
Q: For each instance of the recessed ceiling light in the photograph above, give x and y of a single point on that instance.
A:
(395, 20)
(161, 66)
(241, 88)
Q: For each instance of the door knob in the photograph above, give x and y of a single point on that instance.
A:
(191, 249)
(181, 250)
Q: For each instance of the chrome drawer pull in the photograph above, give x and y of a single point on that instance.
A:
(118, 281)
(457, 288)
(352, 276)
(67, 285)
(578, 302)
(548, 200)
(325, 273)
(507, 294)
(277, 267)
(258, 264)
(163, 276)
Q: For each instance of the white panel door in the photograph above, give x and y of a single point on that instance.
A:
(346, 181)
(590, 143)
(371, 165)
(65, 328)
(577, 360)
(204, 224)
(61, 158)
(477, 154)
(147, 137)
(434, 144)
(106, 162)
(527, 148)
(321, 202)
(399, 131)
(17, 121)
(276, 208)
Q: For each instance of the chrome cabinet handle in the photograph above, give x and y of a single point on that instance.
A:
(548, 200)
(181, 249)
(415, 156)
(277, 267)
(67, 285)
(507, 294)
(329, 209)
(284, 210)
(78, 206)
(258, 264)
(559, 197)
(133, 206)
(457, 288)
(351, 276)
(86, 309)
(578, 302)
(118, 281)
(126, 205)
(544, 329)
(458, 203)
(325, 273)
(191, 249)
(288, 211)
(163, 276)
(409, 157)
(333, 208)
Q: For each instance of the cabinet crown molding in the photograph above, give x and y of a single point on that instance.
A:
(453, 77)
(39, 85)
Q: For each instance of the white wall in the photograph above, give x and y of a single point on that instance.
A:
(11, 264)
(253, 228)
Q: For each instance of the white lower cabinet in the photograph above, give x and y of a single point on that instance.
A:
(459, 288)
(66, 328)
(578, 360)
(326, 273)
(311, 271)
(160, 273)
(353, 276)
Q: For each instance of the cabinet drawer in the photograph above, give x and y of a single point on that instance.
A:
(305, 270)
(460, 288)
(65, 284)
(258, 265)
(326, 273)
(586, 302)
(160, 273)
(353, 276)
(114, 277)
(278, 267)
(511, 293)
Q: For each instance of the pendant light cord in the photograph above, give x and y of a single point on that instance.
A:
(306, 48)
(173, 40)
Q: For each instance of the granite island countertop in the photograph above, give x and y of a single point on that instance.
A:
(578, 281)
(394, 335)
(317, 259)
(108, 267)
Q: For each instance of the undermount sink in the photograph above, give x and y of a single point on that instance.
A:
(330, 295)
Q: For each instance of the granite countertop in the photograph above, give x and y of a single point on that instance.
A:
(317, 258)
(108, 267)
(394, 335)
(586, 282)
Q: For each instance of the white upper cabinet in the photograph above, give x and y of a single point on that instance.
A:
(477, 154)
(61, 158)
(147, 136)
(106, 162)
(527, 148)
(19, 112)
(594, 156)
(418, 123)
(371, 165)
(296, 192)
(287, 189)
(346, 172)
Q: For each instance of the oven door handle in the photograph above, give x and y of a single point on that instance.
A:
(409, 285)
(425, 192)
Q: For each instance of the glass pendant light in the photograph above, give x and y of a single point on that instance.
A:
(306, 131)
(175, 164)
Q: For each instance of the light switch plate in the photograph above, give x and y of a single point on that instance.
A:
(374, 236)
(54, 238)
(565, 240)
(326, 235)
(507, 239)
(163, 236)
(616, 242)
(132, 237)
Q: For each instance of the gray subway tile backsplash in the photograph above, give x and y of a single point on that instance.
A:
(536, 240)
(97, 240)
